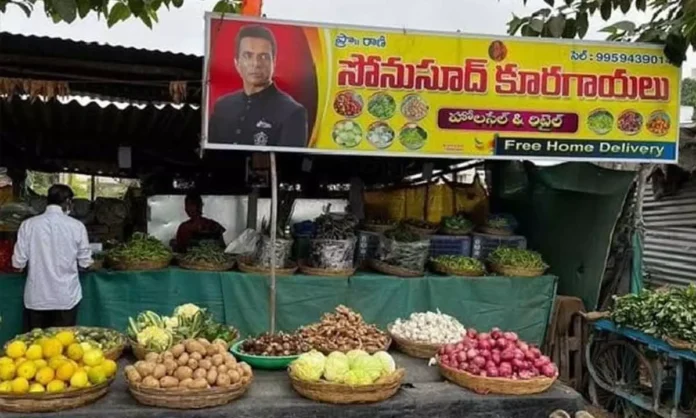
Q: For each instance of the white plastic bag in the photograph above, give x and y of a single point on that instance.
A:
(244, 243)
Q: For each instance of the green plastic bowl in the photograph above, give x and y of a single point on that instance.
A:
(262, 362)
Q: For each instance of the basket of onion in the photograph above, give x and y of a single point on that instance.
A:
(496, 362)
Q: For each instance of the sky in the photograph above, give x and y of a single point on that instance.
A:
(181, 30)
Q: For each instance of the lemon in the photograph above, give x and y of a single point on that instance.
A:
(52, 347)
(79, 380)
(75, 352)
(40, 363)
(55, 386)
(36, 388)
(96, 375)
(16, 349)
(6, 360)
(109, 367)
(34, 352)
(86, 346)
(65, 371)
(20, 361)
(5, 387)
(65, 337)
(93, 357)
(45, 375)
(56, 362)
(26, 370)
(7, 371)
(20, 385)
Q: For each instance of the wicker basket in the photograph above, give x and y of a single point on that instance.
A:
(486, 385)
(188, 398)
(246, 265)
(421, 231)
(415, 349)
(442, 269)
(368, 350)
(517, 271)
(678, 344)
(52, 402)
(313, 271)
(378, 228)
(336, 393)
(386, 268)
(125, 265)
(456, 232)
(495, 231)
(206, 266)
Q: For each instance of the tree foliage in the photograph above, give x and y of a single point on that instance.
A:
(672, 23)
(688, 92)
(112, 11)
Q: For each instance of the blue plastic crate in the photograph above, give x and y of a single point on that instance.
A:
(484, 244)
(450, 245)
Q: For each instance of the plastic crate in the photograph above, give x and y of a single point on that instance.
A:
(484, 244)
(450, 245)
(366, 247)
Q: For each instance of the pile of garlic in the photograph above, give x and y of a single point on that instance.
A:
(428, 327)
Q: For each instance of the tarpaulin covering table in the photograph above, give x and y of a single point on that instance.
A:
(109, 298)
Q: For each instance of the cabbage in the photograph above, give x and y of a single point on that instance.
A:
(370, 365)
(316, 358)
(388, 365)
(337, 366)
(357, 378)
(353, 354)
(307, 369)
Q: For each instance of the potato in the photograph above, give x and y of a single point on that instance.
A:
(160, 371)
(222, 349)
(212, 376)
(200, 374)
(193, 363)
(133, 376)
(195, 347)
(222, 368)
(218, 359)
(144, 368)
(198, 384)
(231, 364)
(183, 359)
(212, 349)
(170, 365)
(152, 357)
(183, 372)
(184, 384)
(167, 355)
(196, 356)
(234, 376)
(150, 382)
(223, 380)
(205, 364)
(229, 357)
(245, 368)
(203, 341)
(169, 382)
(177, 350)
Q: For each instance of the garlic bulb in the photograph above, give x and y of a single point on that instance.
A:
(429, 327)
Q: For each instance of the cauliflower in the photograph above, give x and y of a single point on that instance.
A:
(187, 310)
(155, 338)
(170, 322)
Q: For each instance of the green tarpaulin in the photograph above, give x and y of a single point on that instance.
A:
(109, 298)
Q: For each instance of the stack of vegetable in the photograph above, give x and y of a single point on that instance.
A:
(456, 225)
(517, 262)
(141, 252)
(403, 248)
(333, 246)
(667, 314)
(344, 330)
(499, 225)
(496, 354)
(108, 340)
(191, 364)
(458, 265)
(355, 368)
(154, 333)
(274, 345)
(428, 327)
(207, 255)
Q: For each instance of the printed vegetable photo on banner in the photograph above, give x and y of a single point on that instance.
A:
(318, 88)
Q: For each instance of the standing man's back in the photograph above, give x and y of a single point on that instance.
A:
(52, 245)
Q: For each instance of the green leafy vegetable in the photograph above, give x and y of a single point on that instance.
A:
(515, 257)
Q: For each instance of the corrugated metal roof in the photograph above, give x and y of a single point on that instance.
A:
(669, 245)
(104, 71)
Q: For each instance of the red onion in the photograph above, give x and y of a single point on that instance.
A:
(479, 361)
(496, 333)
(471, 333)
(545, 359)
(505, 369)
(522, 345)
(490, 363)
(459, 347)
(536, 352)
(510, 336)
(484, 344)
(549, 370)
(485, 354)
(502, 343)
(525, 375)
(449, 348)
(463, 366)
(518, 364)
(495, 357)
(473, 369)
(540, 363)
(492, 371)
(472, 353)
(507, 355)
(519, 354)
(484, 336)
(461, 356)
(483, 373)
(529, 355)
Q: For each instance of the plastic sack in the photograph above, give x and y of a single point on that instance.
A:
(332, 254)
(264, 252)
(408, 255)
(245, 243)
(13, 214)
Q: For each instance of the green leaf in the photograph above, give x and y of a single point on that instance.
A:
(526, 30)
(557, 25)
(178, 3)
(146, 20)
(66, 9)
(605, 10)
(118, 13)
(224, 6)
(641, 5)
(549, 2)
(570, 29)
(83, 8)
(546, 12)
(136, 7)
(583, 24)
(625, 5)
(537, 25)
(152, 14)
(26, 7)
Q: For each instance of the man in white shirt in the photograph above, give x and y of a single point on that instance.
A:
(53, 245)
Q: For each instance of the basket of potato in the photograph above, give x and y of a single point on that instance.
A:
(193, 374)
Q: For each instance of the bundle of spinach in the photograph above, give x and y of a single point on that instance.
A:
(662, 313)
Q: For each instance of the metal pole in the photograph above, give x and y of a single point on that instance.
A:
(274, 227)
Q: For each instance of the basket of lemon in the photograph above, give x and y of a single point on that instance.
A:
(53, 374)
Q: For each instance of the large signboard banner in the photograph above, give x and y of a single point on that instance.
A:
(327, 89)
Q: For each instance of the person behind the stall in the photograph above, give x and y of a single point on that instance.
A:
(198, 228)
(53, 246)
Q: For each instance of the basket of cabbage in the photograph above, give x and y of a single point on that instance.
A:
(354, 377)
